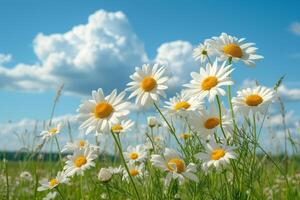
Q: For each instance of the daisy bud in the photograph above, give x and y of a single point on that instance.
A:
(104, 175)
(152, 121)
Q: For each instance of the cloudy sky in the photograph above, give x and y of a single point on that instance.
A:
(87, 45)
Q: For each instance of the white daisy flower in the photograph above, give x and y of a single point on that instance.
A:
(148, 84)
(135, 154)
(201, 52)
(208, 122)
(152, 121)
(254, 100)
(50, 196)
(116, 170)
(105, 175)
(50, 132)
(61, 177)
(136, 171)
(182, 105)
(79, 144)
(217, 155)
(122, 127)
(100, 113)
(81, 160)
(185, 136)
(175, 166)
(26, 176)
(226, 46)
(209, 81)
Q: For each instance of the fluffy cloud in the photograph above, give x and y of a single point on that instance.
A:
(288, 94)
(101, 53)
(4, 58)
(177, 56)
(295, 28)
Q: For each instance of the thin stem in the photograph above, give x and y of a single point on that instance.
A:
(59, 151)
(171, 129)
(108, 191)
(60, 194)
(6, 176)
(81, 187)
(125, 165)
(220, 116)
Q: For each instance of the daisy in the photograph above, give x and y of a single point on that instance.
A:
(79, 144)
(209, 81)
(229, 47)
(148, 84)
(50, 196)
(136, 171)
(100, 113)
(51, 131)
(254, 100)
(122, 127)
(217, 155)
(116, 170)
(152, 121)
(81, 160)
(48, 185)
(135, 154)
(182, 105)
(175, 166)
(185, 136)
(105, 175)
(202, 51)
(26, 176)
(208, 122)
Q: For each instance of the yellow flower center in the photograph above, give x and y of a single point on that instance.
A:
(134, 172)
(253, 100)
(217, 154)
(117, 128)
(211, 123)
(209, 82)
(148, 83)
(133, 155)
(103, 110)
(53, 131)
(233, 50)
(82, 143)
(185, 136)
(176, 164)
(182, 105)
(79, 161)
(53, 182)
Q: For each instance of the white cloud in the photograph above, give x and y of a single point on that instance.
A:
(101, 53)
(276, 119)
(5, 58)
(288, 94)
(295, 28)
(177, 56)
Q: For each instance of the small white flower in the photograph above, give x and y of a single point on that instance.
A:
(209, 81)
(152, 121)
(100, 113)
(148, 84)
(182, 105)
(226, 46)
(60, 178)
(254, 100)
(175, 166)
(201, 52)
(79, 144)
(116, 170)
(217, 155)
(26, 176)
(50, 196)
(50, 132)
(81, 160)
(122, 127)
(105, 175)
(135, 154)
(136, 171)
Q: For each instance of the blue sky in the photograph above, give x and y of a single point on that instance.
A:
(272, 25)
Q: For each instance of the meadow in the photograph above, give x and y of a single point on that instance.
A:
(203, 143)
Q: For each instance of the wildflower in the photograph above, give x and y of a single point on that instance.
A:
(217, 155)
(135, 154)
(122, 127)
(182, 105)
(60, 178)
(81, 160)
(148, 84)
(185, 136)
(254, 100)
(105, 175)
(208, 122)
(79, 144)
(136, 171)
(175, 166)
(51, 131)
(201, 52)
(229, 47)
(26, 176)
(209, 81)
(152, 121)
(100, 113)
(50, 196)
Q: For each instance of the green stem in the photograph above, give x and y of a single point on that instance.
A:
(220, 116)
(60, 194)
(59, 151)
(81, 187)
(125, 165)
(108, 191)
(6, 176)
